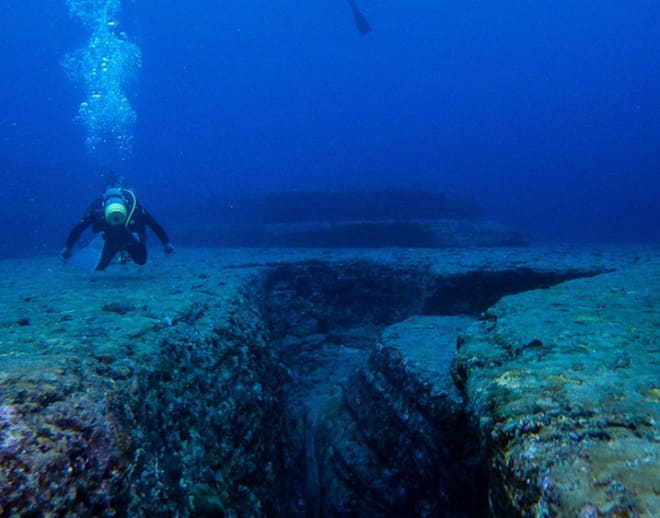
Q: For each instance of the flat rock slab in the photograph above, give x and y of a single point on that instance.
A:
(427, 345)
(564, 387)
(88, 360)
(154, 390)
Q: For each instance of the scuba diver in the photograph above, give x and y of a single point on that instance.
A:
(122, 221)
(360, 20)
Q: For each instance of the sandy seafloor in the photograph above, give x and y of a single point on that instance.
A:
(60, 323)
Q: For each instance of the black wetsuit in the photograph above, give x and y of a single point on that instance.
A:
(129, 238)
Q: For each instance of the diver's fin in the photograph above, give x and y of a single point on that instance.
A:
(87, 257)
(360, 20)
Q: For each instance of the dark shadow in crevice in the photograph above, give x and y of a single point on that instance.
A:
(324, 319)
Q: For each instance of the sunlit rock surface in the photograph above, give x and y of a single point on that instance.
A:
(258, 382)
(563, 385)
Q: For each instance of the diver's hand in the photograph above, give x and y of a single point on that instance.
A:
(65, 253)
(168, 248)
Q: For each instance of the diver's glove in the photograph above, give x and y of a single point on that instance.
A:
(65, 253)
(168, 248)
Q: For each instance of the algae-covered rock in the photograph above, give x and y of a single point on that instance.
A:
(135, 395)
(211, 417)
(160, 391)
(400, 444)
(562, 385)
(60, 454)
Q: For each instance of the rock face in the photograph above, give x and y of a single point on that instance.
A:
(563, 386)
(374, 423)
(404, 448)
(376, 205)
(323, 322)
(334, 206)
(392, 233)
(282, 383)
(133, 397)
(61, 448)
(356, 219)
(209, 416)
(356, 234)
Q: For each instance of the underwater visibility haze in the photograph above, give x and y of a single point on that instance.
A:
(547, 114)
(413, 261)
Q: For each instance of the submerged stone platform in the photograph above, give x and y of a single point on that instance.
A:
(563, 385)
(323, 382)
(396, 217)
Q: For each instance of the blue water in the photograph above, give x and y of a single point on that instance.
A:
(546, 113)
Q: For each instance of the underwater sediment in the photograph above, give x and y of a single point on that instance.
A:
(321, 383)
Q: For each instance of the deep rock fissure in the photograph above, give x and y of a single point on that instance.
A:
(366, 432)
